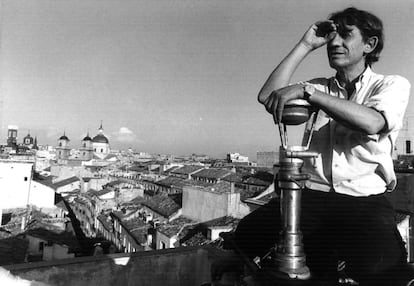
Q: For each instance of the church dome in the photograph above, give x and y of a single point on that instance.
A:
(64, 137)
(87, 138)
(28, 139)
(100, 139)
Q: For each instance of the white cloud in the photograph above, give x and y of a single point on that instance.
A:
(125, 130)
(125, 135)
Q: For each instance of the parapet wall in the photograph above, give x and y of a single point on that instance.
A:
(179, 266)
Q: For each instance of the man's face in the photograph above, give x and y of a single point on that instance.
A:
(347, 48)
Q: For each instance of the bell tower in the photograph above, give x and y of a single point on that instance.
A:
(63, 149)
(86, 150)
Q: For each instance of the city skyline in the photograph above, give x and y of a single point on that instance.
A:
(170, 77)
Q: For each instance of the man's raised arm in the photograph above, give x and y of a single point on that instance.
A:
(311, 40)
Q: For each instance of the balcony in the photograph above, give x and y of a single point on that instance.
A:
(177, 266)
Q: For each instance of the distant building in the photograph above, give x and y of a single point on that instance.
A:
(160, 208)
(12, 148)
(405, 140)
(15, 183)
(168, 235)
(18, 189)
(100, 144)
(28, 140)
(63, 149)
(207, 203)
(47, 245)
(212, 175)
(12, 136)
(86, 149)
(267, 158)
(63, 187)
(84, 210)
(93, 151)
(237, 158)
(186, 171)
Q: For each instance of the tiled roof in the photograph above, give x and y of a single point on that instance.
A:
(245, 194)
(260, 179)
(222, 188)
(93, 168)
(169, 170)
(172, 228)
(137, 201)
(137, 228)
(47, 181)
(194, 240)
(103, 192)
(114, 183)
(197, 234)
(162, 204)
(138, 168)
(256, 182)
(92, 192)
(212, 173)
(66, 182)
(172, 182)
(222, 221)
(188, 169)
(234, 177)
(79, 200)
(194, 183)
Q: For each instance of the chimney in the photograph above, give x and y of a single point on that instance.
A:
(232, 187)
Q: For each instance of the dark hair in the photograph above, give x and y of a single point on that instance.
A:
(369, 25)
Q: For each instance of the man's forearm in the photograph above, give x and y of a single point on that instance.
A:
(281, 76)
(348, 113)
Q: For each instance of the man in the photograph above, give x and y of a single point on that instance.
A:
(345, 215)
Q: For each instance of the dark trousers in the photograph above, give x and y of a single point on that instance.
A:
(360, 231)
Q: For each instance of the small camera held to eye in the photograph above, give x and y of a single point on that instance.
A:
(325, 28)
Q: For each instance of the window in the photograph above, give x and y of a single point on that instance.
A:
(408, 146)
(162, 245)
(101, 150)
(41, 245)
(25, 179)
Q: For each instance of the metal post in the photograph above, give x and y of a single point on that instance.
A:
(290, 258)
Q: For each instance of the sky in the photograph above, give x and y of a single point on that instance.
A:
(166, 77)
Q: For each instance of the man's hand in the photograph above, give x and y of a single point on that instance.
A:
(319, 34)
(276, 101)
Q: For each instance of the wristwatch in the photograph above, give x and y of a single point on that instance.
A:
(308, 91)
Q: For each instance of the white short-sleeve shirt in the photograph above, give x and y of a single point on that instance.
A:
(352, 162)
